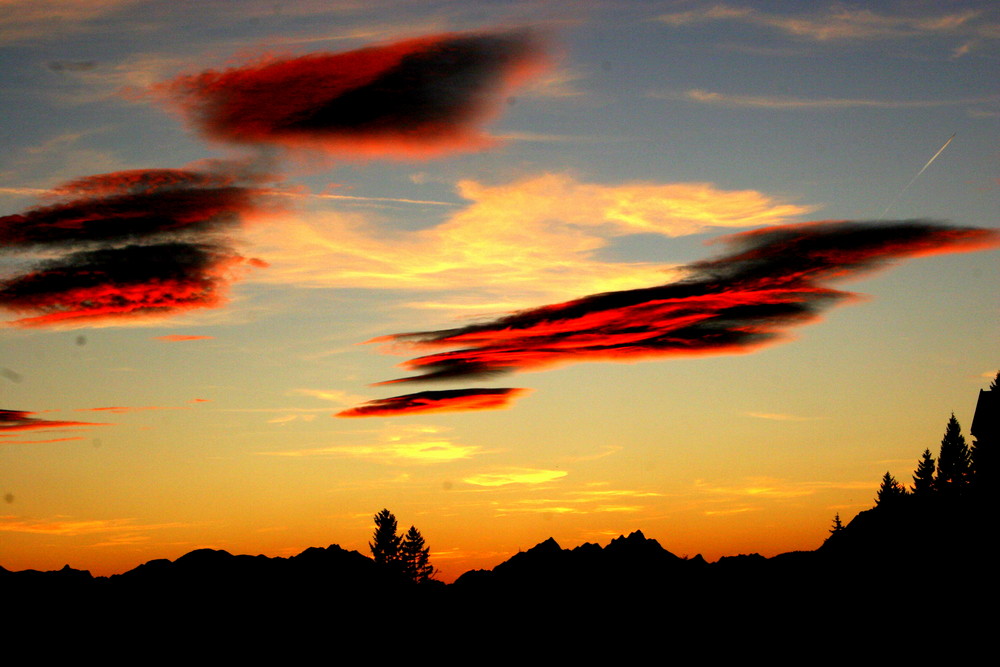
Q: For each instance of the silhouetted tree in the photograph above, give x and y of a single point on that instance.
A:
(954, 461)
(923, 476)
(414, 557)
(385, 542)
(986, 431)
(890, 492)
(837, 525)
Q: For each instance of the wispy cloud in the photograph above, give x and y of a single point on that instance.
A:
(122, 409)
(67, 527)
(582, 503)
(799, 103)
(23, 20)
(409, 451)
(336, 396)
(778, 416)
(513, 244)
(180, 338)
(840, 23)
(515, 476)
(769, 487)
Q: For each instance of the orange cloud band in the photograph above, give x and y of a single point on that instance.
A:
(21, 420)
(452, 400)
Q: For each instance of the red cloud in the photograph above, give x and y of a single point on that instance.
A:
(121, 282)
(774, 279)
(127, 244)
(412, 98)
(20, 420)
(453, 400)
(178, 338)
(126, 206)
(118, 410)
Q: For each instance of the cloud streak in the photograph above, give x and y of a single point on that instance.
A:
(127, 244)
(414, 98)
(771, 280)
(841, 23)
(452, 400)
(515, 476)
(799, 103)
(15, 422)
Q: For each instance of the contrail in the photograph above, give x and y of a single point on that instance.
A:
(934, 157)
(283, 193)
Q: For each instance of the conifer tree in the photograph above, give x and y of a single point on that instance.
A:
(414, 557)
(954, 461)
(923, 476)
(837, 525)
(890, 492)
(385, 542)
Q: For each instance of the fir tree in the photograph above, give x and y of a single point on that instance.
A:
(837, 525)
(923, 476)
(385, 542)
(954, 462)
(890, 492)
(414, 557)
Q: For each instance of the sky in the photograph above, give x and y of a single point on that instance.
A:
(512, 270)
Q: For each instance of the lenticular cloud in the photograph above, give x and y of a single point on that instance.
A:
(412, 98)
(452, 400)
(773, 279)
(125, 244)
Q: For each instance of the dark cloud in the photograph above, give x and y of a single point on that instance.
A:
(412, 98)
(127, 281)
(773, 279)
(21, 420)
(452, 400)
(131, 243)
(129, 206)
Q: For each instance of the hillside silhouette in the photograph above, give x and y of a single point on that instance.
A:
(919, 553)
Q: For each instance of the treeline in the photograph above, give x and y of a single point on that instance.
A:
(959, 470)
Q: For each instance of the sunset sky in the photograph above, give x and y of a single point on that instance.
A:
(512, 270)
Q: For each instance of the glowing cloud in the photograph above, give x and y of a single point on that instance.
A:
(513, 244)
(773, 279)
(515, 476)
(394, 453)
(452, 400)
(132, 243)
(412, 98)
